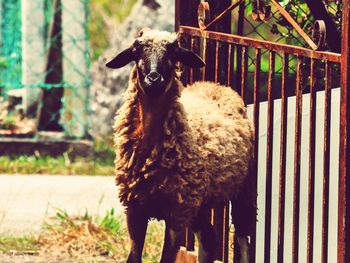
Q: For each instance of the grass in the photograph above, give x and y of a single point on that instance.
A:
(19, 244)
(54, 165)
(101, 164)
(85, 238)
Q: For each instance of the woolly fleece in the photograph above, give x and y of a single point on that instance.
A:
(200, 153)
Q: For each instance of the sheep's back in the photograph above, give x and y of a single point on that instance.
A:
(217, 117)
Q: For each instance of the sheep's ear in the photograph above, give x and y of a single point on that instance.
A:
(189, 58)
(122, 59)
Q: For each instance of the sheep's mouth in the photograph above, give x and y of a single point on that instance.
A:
(154, 90)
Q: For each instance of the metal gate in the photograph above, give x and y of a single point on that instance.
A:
(298, 99)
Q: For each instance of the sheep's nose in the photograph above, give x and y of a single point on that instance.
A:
(154, 77)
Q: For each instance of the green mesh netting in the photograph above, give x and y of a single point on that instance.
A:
(44, 62)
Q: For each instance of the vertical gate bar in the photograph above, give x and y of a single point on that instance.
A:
(204, 57)
(216, 61)
(311, 179)
(186, 18)
(268, 191)
(197, 50)
(256, 110)
(191, 69)
(296, 197)
(240, 30)
(326, 156)
(283, 150)
(225, 230)
(229, 64)
(186, 43)
(344, 150)
(177, 15)
(244, 72)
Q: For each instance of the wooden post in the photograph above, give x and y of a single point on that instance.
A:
(75, 68)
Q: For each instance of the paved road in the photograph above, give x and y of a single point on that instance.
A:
(26, 201)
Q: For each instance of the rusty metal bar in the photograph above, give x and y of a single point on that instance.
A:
(225, 231)
(192, 44)
(196, 47)
(230, 60)
(311, 179)
(204, 57)
(216, 61)
(244, 70)
(240, 30)
(256, 112)
(295, 25)
(297, 146)
(326, 156)
(224, 13)
(344, 150)
(268, 189)
(283, 150)
(271, 46)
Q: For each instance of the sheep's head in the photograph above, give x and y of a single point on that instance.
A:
(155, 53)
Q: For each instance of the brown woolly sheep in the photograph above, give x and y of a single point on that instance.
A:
(180, 150)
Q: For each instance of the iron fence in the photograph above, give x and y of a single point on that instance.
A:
(297, 98)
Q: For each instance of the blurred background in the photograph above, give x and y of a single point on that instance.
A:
(56, 96)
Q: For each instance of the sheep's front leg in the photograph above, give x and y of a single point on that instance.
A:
(137, 226)
(171, 245)
(206, 236)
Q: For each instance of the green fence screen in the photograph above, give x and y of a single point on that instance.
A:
(44, 64)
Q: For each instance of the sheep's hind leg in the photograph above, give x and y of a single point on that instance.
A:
(171, 244)
(137, 227)
(244, 220)
(207, 238)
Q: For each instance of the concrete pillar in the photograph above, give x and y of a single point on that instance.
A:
(75, 68)
(33, 55)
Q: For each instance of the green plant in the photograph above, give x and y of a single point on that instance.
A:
(22, 244)
(25, 164)
(3, 63)
(110, 222)
(8, 122)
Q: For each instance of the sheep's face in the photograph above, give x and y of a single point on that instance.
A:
(155, 54)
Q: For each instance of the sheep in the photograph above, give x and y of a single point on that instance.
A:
(180, 150)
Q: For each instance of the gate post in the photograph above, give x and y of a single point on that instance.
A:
(344, 149)
(186, 13)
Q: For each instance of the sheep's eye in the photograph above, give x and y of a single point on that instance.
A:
(137, 48)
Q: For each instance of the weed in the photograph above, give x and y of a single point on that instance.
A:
(21, 244)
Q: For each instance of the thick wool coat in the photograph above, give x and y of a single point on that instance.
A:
(200, 153)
